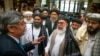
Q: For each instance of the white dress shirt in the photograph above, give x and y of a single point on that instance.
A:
(36, 32)
(44, 21)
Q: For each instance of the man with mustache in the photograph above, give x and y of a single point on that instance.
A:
(76, 24)
(33, 31)
(88, 36)
(28, 17)
(61, 41)
(52, 21)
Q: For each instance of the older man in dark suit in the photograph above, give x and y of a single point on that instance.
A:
(13, 27)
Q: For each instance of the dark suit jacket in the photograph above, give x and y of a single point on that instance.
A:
(9, 47)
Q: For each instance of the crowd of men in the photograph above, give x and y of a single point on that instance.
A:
(49, 33)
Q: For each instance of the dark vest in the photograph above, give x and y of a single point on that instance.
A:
(41, 46)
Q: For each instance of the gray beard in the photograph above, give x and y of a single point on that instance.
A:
(53, 20)
(61, 31)
(74, 32)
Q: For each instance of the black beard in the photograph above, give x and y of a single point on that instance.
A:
(37, 25)
(44, 17)
(93, 32)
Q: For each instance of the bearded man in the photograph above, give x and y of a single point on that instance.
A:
(61, 41)
(28, 18)
(33, 31)
(88, 35)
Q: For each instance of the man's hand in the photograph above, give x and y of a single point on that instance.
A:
(46, 54)
(38, 41)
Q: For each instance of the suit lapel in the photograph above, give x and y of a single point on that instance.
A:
(15, 43)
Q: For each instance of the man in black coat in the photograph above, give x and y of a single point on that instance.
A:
(51, 23)
(13, 27)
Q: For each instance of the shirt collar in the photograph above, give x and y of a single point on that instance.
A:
(17, 40)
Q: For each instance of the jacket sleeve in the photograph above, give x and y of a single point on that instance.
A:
(28, 47)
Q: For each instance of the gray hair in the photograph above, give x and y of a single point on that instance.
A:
(9, 18)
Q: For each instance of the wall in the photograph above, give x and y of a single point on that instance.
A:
(8, 5)
(96, 1)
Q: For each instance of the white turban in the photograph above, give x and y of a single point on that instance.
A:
(28, 12)
(93, 15)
